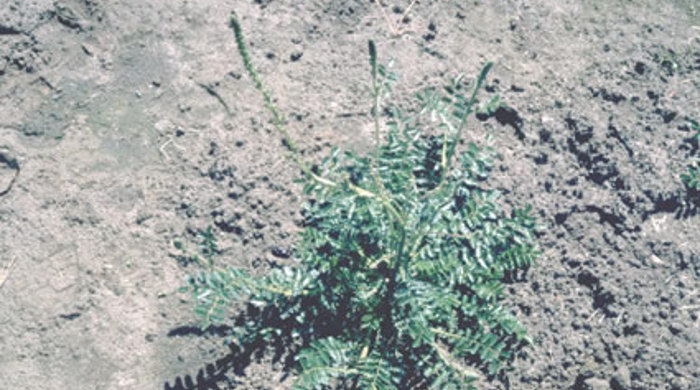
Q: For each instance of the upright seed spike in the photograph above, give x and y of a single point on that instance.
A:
(373, 59)
(269, 104)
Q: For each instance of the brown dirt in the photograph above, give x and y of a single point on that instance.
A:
(112, 146)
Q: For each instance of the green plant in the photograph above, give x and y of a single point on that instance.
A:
(400, 267)
(696, 127)
(207, 249)
(491, 106)
(691, 177)
(669, 61)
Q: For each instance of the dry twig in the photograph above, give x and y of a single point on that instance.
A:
(5, 271)
(395, 27)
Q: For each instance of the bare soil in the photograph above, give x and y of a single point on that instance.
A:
(127, 125)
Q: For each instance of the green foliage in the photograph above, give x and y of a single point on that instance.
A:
(491, 106)
(400, 269)
(691, 177)
(696, 127)
(207, 249)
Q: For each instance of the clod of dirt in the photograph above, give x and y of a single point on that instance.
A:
(640, 68)
(666, 115)
(281, 252)
(296, 56)
(8, 30)
(9, 170)
(621, 380)
(608, 96)
(432, 32)
(22, 16)
(263, 3)
(506, 116)
(595, 384)
(68, 17)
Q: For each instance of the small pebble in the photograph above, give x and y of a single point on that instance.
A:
(621, 380)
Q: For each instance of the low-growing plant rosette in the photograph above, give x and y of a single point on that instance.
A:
(399, 271)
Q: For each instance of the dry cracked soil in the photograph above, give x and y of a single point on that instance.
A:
(128, 125)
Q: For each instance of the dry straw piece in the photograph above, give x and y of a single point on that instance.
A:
(5, 271)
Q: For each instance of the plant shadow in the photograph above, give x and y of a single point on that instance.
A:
(222, 374)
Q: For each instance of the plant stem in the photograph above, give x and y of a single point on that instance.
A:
(279, 122)
(468, 110)
(449, 151)
(376, 94)
(408, 10)
(270, 105)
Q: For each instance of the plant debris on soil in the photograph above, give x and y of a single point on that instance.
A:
(126, 126)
